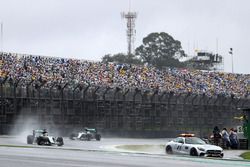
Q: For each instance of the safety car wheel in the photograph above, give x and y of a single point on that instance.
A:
(193, 152)
(169, 150)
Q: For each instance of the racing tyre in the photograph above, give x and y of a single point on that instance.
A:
(98, 137)
(59, 141)
(88, 136)
(30, 139)
(83, 137)
(40, 141)
(169, 150)
(193, 152)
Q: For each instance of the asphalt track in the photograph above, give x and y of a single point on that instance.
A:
(109, 152)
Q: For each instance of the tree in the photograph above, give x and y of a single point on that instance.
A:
(107, 58)
(121, 58)
(161, 49)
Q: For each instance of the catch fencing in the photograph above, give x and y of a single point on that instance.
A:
(117, 111)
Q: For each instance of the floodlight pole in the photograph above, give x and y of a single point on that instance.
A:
(231, 52)
(1, 36)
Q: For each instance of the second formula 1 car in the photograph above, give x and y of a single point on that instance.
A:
(87, 134)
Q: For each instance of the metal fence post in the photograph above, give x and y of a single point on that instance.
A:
(194, 99)
(145, 95)
(124, 94)
(84, 92)
(117, 89)
(94, 95)
(105, 92)
(152, 97)
(62, 105)
(78, 86)
(1, 91)
(27, 88)
(2, 104)
(50, 91)
(83, 105)
(162, 95)
(185, 98)
(137, 91)
(15, 95)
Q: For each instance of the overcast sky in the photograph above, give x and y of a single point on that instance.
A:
(89, 29)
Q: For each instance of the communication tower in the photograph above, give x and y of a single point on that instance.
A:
(130, 17)
(1, 40)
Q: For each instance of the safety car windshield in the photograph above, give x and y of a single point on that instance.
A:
(194, 140)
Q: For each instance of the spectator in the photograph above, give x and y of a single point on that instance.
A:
(225, 139)
(47, 71)
(233, 138)
(216, 135)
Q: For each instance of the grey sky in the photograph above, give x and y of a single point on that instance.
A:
(89, 29)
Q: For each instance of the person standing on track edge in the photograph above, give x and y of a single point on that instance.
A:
(233, 138)
(225, 139)
(217, 135)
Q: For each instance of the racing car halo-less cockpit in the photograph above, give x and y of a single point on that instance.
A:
(41, 137)
(87, 134)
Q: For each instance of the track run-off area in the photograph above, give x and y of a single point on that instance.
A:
(112, 152)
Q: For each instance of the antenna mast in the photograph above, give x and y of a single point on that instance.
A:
(1, 37)
(130, 17)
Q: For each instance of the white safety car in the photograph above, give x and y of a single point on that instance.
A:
(194, 146)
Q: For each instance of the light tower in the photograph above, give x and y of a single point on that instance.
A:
(1, 40)
(231, 53)
(130, 17)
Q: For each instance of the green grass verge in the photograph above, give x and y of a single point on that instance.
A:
(16, 146)
(246, 155)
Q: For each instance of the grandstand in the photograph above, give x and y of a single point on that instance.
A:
(69, 93)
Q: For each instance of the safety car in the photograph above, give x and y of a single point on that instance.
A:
(190, 145)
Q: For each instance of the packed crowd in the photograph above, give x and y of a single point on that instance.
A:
(48, 71)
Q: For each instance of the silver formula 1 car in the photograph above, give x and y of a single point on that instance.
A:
(87, 134)
(41, 137)
(194, 146)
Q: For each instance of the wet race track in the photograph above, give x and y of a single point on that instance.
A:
(109, 152)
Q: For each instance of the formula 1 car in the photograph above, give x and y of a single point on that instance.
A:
(88, 134)
(194, 146)
(41, 137)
